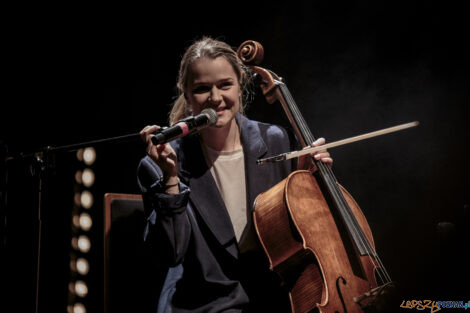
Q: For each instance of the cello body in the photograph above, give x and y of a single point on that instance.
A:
(305, 248)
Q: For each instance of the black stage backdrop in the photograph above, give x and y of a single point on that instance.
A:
(79, 73)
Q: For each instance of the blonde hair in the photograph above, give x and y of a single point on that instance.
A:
(207, 48)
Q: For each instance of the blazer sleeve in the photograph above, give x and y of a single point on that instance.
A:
(168, 230)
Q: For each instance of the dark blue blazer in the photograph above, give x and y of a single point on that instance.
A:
(192, 235)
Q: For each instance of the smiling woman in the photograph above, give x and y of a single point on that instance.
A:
(208, 49)
(213, 84)
(198, 192)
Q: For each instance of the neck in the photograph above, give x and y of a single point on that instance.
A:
(222, 139)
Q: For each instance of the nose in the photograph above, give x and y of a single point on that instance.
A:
(215, 95)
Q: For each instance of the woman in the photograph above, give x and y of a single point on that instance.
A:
(198, 192)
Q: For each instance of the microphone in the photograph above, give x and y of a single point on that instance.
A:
(207, 117)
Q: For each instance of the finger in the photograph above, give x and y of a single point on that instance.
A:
(321, 155)
(144, 129)
(161, 147)
(147, 131)
(151, 148)
(143, 133)
(148, 128)
(324, 157)
(327, 160)
(164, 150)
(319, 142)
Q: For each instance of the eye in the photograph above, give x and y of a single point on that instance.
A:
(225, 85)
(201, 89)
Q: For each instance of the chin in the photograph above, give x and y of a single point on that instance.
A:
(220, 125)
(224, 119)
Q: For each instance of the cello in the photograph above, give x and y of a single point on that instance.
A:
(313, 232)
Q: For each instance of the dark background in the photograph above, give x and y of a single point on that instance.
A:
(79, 73)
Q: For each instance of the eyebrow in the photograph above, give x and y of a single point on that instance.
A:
(223, 80)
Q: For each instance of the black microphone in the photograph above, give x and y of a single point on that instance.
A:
(207, 117)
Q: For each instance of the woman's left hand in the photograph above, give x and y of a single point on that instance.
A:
(305, 161)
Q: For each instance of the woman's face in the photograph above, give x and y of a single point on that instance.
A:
(212, 83)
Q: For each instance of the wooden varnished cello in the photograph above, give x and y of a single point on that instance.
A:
(313, 232)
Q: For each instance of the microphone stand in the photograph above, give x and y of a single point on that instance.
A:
(41, 164)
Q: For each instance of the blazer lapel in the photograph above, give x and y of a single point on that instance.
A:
(205, 196)
(254, 148)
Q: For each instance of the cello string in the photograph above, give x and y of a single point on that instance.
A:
(349, 219)
(327, 175)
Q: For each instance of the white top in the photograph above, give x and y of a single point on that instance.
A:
(228, 170)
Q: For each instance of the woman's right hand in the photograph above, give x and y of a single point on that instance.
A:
(164, 156)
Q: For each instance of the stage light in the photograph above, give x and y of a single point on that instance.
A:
(79, 308)
(88, 177)
(81, 288)
(82, 222)
(82, 266)
(85, 221)
(83, 244)
(89, 156)
(86, 199)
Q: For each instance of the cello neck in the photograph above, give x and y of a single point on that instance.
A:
(296, 119)
(324, 172)
(301, 128)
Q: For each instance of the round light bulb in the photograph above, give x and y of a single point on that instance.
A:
(88, 177)
(82, 266)
(89, 156)
(86, 199)
(81, 288)
(85, 221)
(84, 244)
(79, 308)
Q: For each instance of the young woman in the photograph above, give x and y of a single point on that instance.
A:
(199, 190)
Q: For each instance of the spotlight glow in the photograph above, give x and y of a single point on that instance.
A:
(89, 156)
(88, 177)
(86, 199)
(85, 221)
(79, 308)
(81, 288)
(84, 244)
(82, 266)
